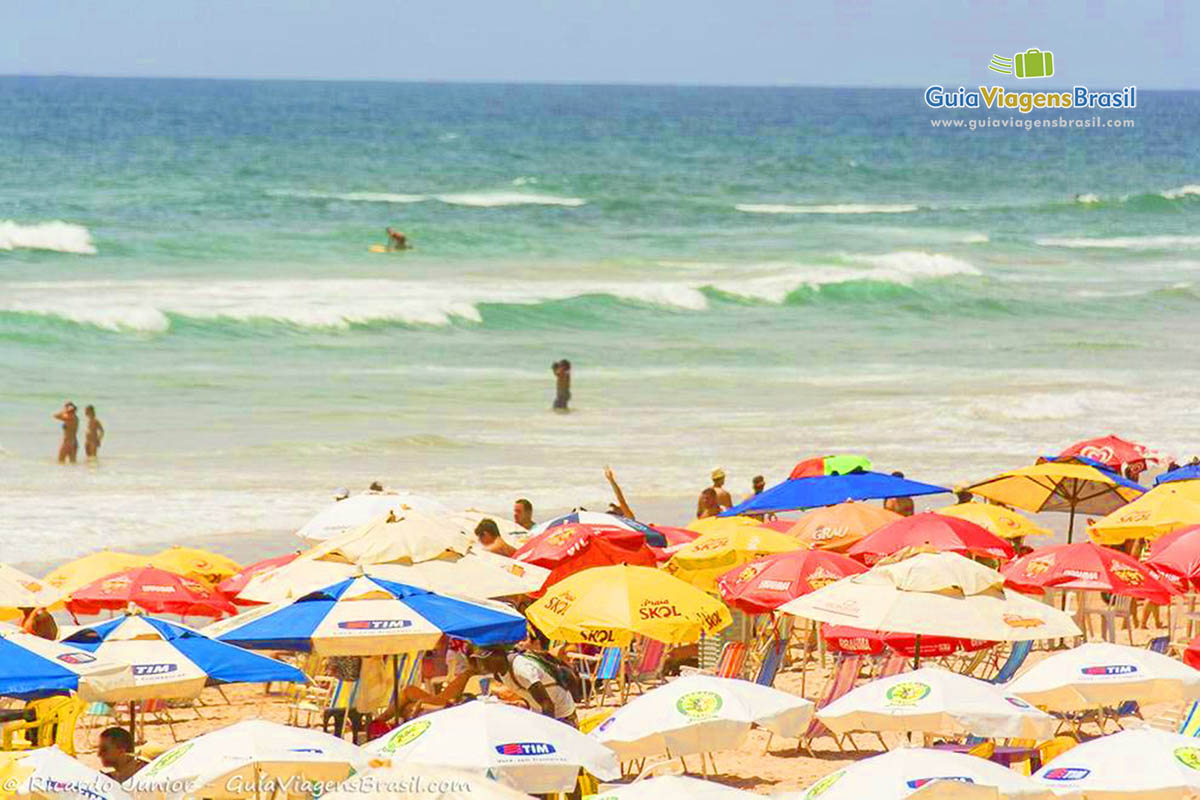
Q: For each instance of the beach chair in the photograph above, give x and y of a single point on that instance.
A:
(893, 665)
(1190, 724)
(845, 675)
(1159, 644)
(733, 658)
(310, 699)
(1119, 606)
(770, 663)
(37, 731)
(610, 671)
(1016, 658)
(1041, 753)
(648, 670)
(95, 716)
(156, 709)
(336, 705)
(984, 750)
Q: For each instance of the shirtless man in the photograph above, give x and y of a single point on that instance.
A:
(116, 753)
(396, 240)
(70, 428)
(93, 435)
(488, 534)
(708, 506)
(523, 513)
(718, 485)
(562, 384)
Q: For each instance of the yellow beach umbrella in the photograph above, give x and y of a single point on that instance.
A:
(82, 571)
(1058, 486)
(722, 524)
(196, 563)
(837, 527)
(996, 520)
(19, 590)
(1158, 512)
(610, 605)
(709, 556)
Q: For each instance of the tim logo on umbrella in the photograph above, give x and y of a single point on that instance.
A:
(525, 749)
(374, 624)
(1110, 669)
(151, 670)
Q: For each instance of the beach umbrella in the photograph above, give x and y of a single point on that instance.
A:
(669, 787)
(421, 782)
(1176, 558)
(839, 526)
(150, 588)
(799, 493)
(193, 562)
(1086, 566)
(476, 575)
(935, 700)
(232, 586)
(922, 773)
(674, 537)
(997, 520)
(702, 561)
(365, 616)
(1098, 675)
(929, 529)
(174, 661)
(829, 465)
(847, 639)
(934, 593)
(48, 773)
(703, 525)
(1111, 451)
(569, 548)
(611, 605)
(523, 749)
(1142, 763)
(1159, 511)
(1191, 472)
(407, 536)
(700, 714)
(32, 667)
(19, 590)
(82, 571)
(762, 585)
(251, 758)
(353, 512)
(653, 537)
(1059, 486)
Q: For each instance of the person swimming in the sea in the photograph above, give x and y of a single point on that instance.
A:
(397, 240)
(70, 428)
(562, 384)
(93, 435)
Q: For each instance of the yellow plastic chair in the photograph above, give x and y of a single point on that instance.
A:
(13, 735)
(984, 750)
(592, 721)
(64, 722)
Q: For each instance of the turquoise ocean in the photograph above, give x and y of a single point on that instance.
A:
(741, 278)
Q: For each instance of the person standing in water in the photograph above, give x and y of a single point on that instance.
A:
(70, 428)
(396, 240)
(562, 384)
(93, 435)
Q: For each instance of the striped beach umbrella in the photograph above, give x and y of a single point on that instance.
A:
(31, 666)
(654, 538)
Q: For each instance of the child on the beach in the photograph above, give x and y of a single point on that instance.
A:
(94, 433)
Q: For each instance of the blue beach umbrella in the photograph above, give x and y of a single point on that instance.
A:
(174, 661)
(653, 538)
(364, 616)
(828, 490)
(34, 667)
(1189, 473)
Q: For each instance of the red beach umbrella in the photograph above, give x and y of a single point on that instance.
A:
(1086, 566)
(763, 585)
(153, 589)
(929, 529)
(233, 585)
(1176, 557)
(1111, 451)
(567, 549)
(846, 639)
(675, 537)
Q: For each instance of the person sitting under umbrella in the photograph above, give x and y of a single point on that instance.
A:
(116, 754)
(525, 676)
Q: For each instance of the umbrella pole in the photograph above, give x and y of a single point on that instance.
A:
(917, 654)
(133, 720)
(1071, 524)
(396, 688)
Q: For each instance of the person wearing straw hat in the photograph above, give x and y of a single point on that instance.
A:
(718, 486)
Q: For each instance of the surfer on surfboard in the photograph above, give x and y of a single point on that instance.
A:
(396, 240)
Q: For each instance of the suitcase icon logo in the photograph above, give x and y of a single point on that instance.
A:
(1033, 63)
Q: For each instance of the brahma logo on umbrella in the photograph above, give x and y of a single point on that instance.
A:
(405, 734)
(1128, 574)
(907, 693)
(917, 783)
(658, 609)
(525, 749)
(76, 658)
(374, 624)
(1082, 574)
(1018, 621)
(149, 670)
(1066, 774)
(822, 786)
(699, 705)
(1039, 566)
(821, 577)
(1110, 669)
(1188, 756)
(777, 586)
(560, 537)
(114, 585)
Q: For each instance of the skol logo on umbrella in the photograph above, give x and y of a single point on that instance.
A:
(76, 658)
(658, 609)
(907, 693)
(560, 603)
(598, 636)
(146, 670)
(525, 749)
(374, 624)
(1188, 756)
(715, 543)
(1110, 669)
(699, 705)
(560, 537)
(1128, 574)
(406, 734)
(1066, 774)
(748, 573)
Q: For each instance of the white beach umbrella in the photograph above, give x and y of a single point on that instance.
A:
(422, 782)
(934, 593)
(526, 750)
(408, 536)
(1098, 674)
(20, 590)
(935, 700)
(48, 773)
(251, 758)
(1146, 764)
(673, 787)
(478, 574)
(700, 714)
(357, 510)
(925, 774)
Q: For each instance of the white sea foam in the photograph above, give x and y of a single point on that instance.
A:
(1087, 199)
(59, 236)
(835, 208)
(1121, 242)
(1190, 190)
(486, 199)
(975, 238)
(353, 197)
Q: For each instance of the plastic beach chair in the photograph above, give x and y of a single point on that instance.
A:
(845, 675)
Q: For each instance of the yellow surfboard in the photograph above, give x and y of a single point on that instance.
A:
(377, 248)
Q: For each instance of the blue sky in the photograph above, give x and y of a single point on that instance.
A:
(1151, 43)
